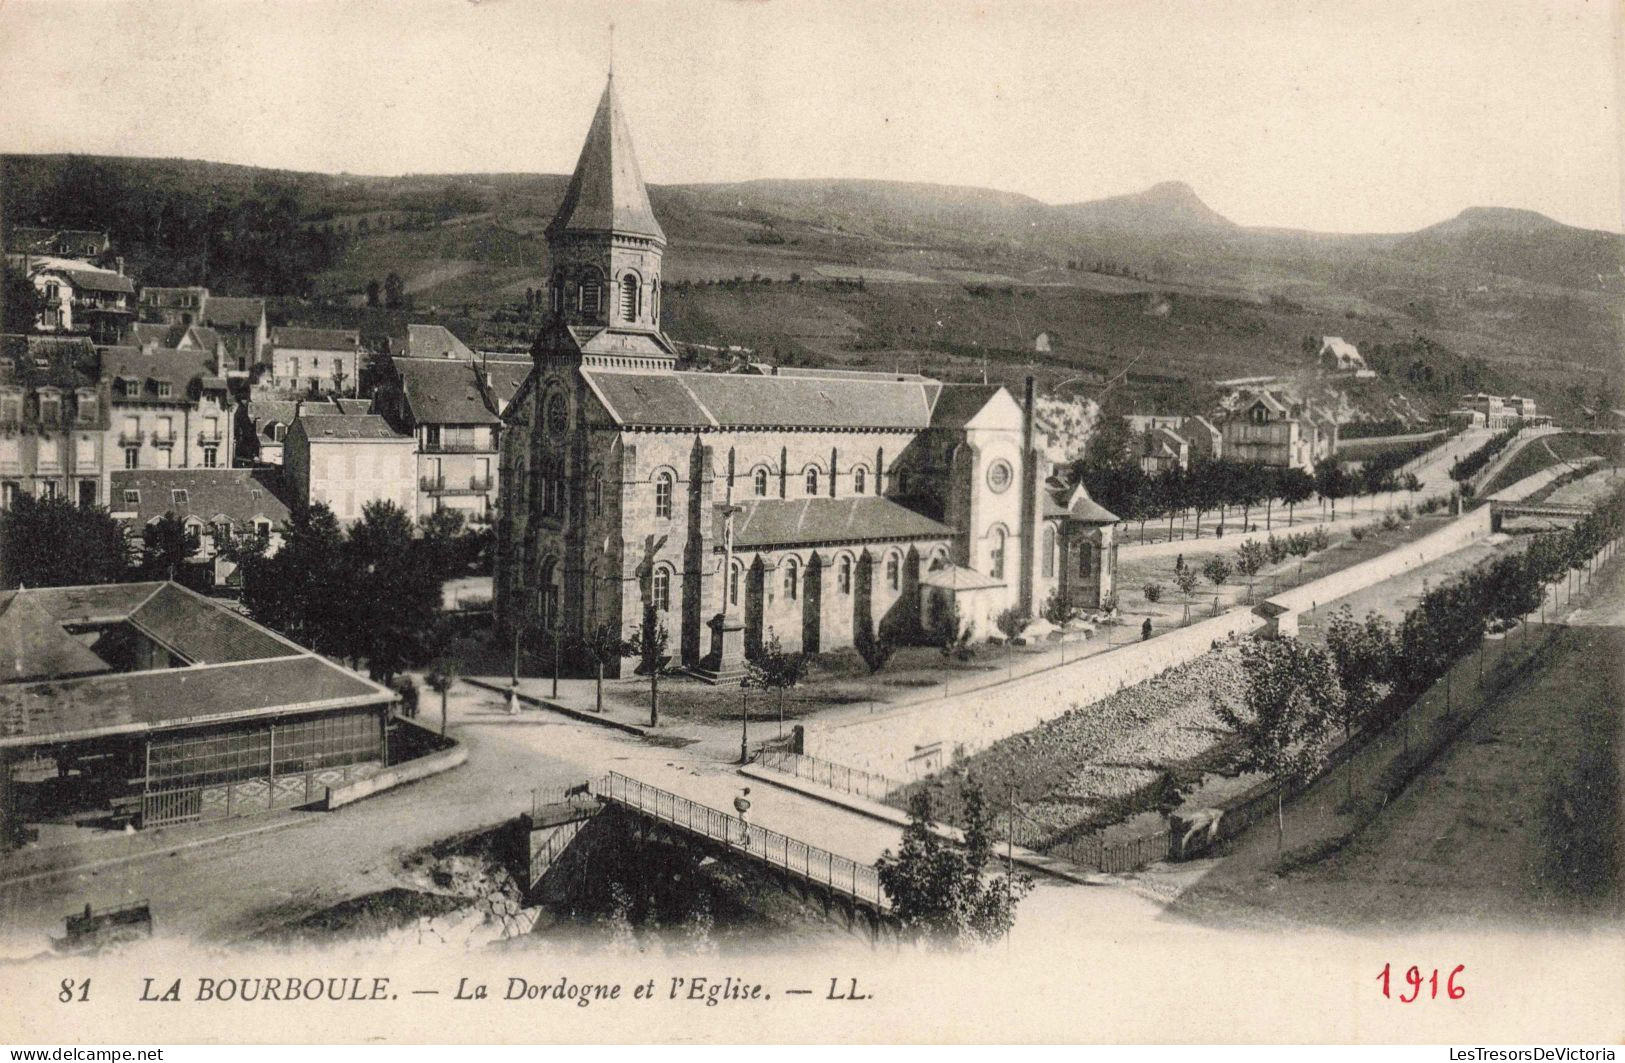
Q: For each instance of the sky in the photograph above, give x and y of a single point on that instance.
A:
(1353, 116)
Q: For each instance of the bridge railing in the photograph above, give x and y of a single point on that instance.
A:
(838, 873)
(828, 773)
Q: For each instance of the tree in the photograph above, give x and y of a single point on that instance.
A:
(1293, 486)
(1331, 483)
(50, 542)
(20, 301)
(166, 545)
(395, 602)
(1291, 698)
(1217, 570)
(441, 679)
(1363, 655)
(603, 644)
(394, 291)
(938, 889)
(303, 590)
(775, 668)
(648, 644)
(1153, 592)
(1185, 577)
(443, 542)
(372, 292)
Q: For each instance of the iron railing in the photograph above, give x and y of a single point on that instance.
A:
(837, 873)
(828, 773)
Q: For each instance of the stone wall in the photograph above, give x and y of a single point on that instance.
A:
(897, 743)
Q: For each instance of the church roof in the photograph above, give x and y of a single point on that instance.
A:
(606, 192)
(731, 400)
(768, 523)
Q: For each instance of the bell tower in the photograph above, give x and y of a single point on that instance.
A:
(604, 250)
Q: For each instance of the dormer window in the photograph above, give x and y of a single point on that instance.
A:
(11, 406)
(87, 405)
(50, 406)
(178, 496)
(132, 497)
(163, 389)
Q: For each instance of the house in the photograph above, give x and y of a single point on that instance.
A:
(262, 426)
(159, 706)
(53, 419)
(349, 460)
(241, 325)
(173, 306)
(91, 245)
(1166, 440)
(1338, 355)
(435, 341)
(444, 405)
(170, 409)
(220, 507)
(807, 506)
(1268, 428)
(80, 298)
(315, 360)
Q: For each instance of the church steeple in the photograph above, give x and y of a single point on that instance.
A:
(606, 193)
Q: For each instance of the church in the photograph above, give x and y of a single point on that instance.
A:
(819, 507)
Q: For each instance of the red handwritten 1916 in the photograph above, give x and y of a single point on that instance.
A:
(1417, 980)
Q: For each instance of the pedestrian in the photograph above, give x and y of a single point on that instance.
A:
(742, 806)
(1179, 563)
(1145, 629)
(513, 701)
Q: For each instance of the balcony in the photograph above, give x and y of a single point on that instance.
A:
(456, 485)
(459, 447)
(163, 439)
(209, 439)
(130, 439)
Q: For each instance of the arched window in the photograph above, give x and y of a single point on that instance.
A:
(654, 301)
(758, 482)
(590, 294)
(663, 494)
(860, 480)
(812, 480)
(792, 579)
(996, 554)
(894, 571)
(629, 297)
(660, 588)
(1048, 552)
(843, 577)
(733, 583)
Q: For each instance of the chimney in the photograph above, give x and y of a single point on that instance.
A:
(118, 265)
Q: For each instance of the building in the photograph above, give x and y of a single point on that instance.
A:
(238, 322)
(262, 427)
(1268, 428)
(445, 406)
(823, 508)
(1338, 355)
(349, 460)
(147, 704)
(53, 419)
(92, 245)
(170, 409)
(315, 360)
(435, 341)
(1165, 441)
(220, 508)
(173, 306)
(80, 298)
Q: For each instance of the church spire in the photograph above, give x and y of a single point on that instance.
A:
(606, 192)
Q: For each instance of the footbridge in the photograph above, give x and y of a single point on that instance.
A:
(661, 815)
(1502, 510)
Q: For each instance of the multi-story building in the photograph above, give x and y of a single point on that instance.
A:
(53, 417)
(238, 322)
(348, 460)
(820, 507)
(444, 405)
(91, 245)
(169, 409)
(79, 298)
(1269, 429)
(316, 360)
(219, 507)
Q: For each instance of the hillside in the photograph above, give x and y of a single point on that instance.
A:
(949, 275)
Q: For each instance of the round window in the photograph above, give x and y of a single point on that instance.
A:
(558, 414)
(999, 475)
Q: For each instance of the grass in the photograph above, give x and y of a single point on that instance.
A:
(1540, 456)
